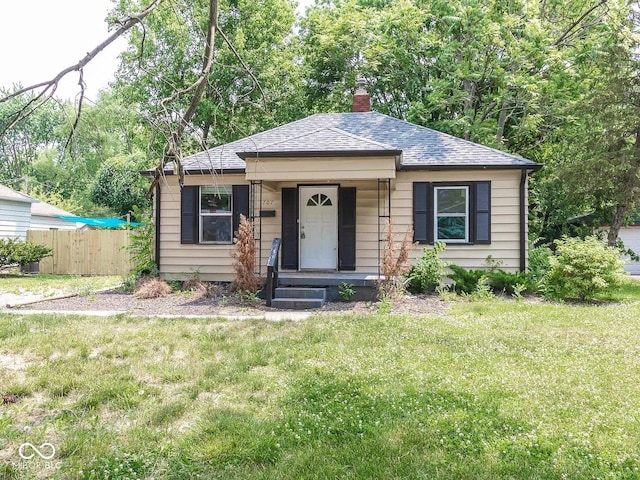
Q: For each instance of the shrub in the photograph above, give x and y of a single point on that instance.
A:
(426, 275)
(141, 246)
(18, 252)
(151, 287)
(346, 291)
(495, 279)
(539, 263)
(507, 282)
(582, 269)
(466, 281)
(245, 258)
(395, 262)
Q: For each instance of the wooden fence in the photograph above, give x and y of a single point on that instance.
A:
(84, 252)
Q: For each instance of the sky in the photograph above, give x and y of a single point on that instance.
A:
(38, 38)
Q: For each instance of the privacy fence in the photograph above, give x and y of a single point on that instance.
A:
(84, 252)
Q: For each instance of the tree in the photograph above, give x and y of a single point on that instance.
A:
(119, 186)
(21, 146)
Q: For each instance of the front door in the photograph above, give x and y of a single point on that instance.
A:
(319, 228)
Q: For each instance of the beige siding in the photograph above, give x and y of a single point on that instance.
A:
(505, 215)
(320, 169)
(214, 262)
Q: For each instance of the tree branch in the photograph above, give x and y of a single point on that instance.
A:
(49, 86)
(575, 24)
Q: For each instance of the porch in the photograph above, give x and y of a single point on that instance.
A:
(364, 284)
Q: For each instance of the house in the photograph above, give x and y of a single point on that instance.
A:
(328, 184)
(19, 212)
(48, 217)
(15, 213)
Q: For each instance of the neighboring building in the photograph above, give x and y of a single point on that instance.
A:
(15, 213)
(630, 236)
(19, 212)
(329, 183)
(47, 217)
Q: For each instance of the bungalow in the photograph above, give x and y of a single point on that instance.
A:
(328, 184)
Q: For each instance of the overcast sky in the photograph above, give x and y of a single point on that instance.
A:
(38, 38)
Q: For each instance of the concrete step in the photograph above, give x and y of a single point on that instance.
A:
(297, 303)
(300, 292)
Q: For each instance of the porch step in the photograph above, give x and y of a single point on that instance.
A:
(298, 298)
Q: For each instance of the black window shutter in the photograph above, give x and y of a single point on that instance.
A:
(347, 228)
(422, 212)
(189, 212)
(289, 254)
(240, 204)
(481, 219)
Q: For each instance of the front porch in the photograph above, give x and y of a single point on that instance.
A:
(364, 284)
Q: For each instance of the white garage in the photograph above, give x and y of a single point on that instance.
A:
(630, 236)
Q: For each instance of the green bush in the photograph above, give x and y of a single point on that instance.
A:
(510, 283)
(18, 252)
(466, 281)
(582, 269)
(142, 247)
(496, 279)
(428, 272)
(539, 263)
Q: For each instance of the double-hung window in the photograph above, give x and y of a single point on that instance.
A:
(452, 212)
(451, 219)
(215, 215)
(211, 214)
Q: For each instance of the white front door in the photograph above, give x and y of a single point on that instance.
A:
(319, 228)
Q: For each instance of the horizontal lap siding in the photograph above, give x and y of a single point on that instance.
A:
(178, 261)
(15, 219)
(320, 169)
(213, 262)
(505, 216)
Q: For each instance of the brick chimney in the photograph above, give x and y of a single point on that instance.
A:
(361, 99)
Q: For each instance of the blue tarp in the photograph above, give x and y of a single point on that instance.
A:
(102, 222)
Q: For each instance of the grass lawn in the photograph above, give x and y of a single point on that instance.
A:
(495, 389)
(48, 285)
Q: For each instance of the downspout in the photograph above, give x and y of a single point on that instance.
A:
(523, 216)
(157, 222)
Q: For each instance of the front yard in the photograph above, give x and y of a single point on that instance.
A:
(492, 389)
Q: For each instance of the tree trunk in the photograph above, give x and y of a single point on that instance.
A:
(629, 191)
(617, 223)
(502, 120)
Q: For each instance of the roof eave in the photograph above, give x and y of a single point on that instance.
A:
(196, 171)
(320, 153)
(529, 167)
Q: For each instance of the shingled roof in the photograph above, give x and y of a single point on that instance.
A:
(364, 133)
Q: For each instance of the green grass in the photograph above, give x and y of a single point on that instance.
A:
(50, 284)
(495, 389)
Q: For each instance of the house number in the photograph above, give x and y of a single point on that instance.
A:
(267, 203)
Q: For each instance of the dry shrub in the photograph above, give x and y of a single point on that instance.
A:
(395, 261)
(203, 289)
(245, 258)
(151, 287)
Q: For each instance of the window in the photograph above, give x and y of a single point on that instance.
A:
(452, 212)
(215, 215)
(211, 215)
(318, 200)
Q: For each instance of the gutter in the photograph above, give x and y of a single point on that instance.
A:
(528, 167)
(157, 235)
(523, 215)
